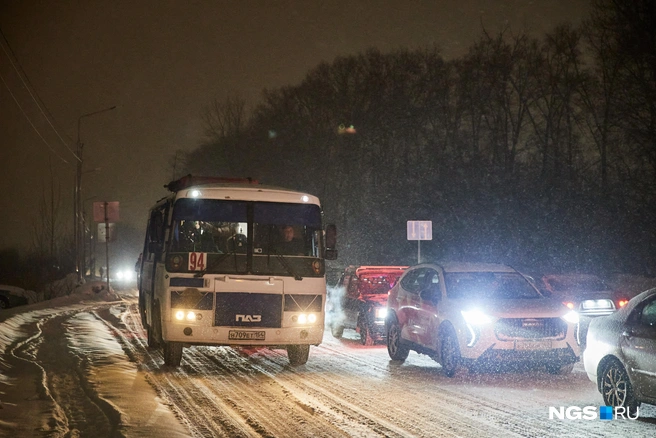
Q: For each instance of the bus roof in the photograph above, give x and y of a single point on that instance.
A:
(242, 192)
(242, 189)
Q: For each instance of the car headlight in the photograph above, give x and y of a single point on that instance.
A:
(571, 317)
(476, 317)
(381, 312)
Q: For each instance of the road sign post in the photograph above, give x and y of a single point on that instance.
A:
(420, 230)
(106, 212)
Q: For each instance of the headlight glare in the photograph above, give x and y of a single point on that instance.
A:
(571, 317)
(476, 317)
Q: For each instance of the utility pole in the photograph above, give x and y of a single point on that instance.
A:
(78, 227)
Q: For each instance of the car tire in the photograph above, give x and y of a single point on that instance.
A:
(395, 348)
(616, 388)
(560, 369)
(365, 333)
(172, 353)
(298, 354)
(449, 353)
(337, 331)
(4, 303)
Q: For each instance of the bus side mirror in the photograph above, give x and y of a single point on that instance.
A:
(331, 242)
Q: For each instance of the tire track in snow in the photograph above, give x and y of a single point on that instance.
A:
(340, 392)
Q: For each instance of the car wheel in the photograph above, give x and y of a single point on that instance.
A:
(560, 369)
(172, 353)
(365, 333)
(450, 354)
(4, 303)
(337, 330)
(298, 354)
(616, 387)
(395, 347)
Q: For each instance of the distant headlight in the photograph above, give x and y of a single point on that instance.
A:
(571, 317)
(476, 317)
(124, 274)
(381, 313)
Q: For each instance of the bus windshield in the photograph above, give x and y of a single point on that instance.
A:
(223, 227)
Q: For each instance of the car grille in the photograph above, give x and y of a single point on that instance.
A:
(507, 329)
(238, 309)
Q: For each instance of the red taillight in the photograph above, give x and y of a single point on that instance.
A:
(569, 305)
(622, 303)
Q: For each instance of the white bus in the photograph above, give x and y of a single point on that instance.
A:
(219, 267)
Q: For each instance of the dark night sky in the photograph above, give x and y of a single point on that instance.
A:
(162, 62)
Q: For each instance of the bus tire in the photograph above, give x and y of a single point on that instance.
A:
(152, 340)
(154, 330)
(172, 353)
(298, 354)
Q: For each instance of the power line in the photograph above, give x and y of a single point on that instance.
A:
(28, 119)
(28, 86)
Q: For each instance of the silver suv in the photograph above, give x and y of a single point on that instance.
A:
(465, 314)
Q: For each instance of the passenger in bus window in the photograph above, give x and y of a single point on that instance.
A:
(197, 236)
(289, 244)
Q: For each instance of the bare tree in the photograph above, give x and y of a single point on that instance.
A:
(46, 240)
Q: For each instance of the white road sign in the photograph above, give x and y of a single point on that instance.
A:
(420, 230)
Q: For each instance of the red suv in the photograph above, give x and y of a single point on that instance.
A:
(359, 301)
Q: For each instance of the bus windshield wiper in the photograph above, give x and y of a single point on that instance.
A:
(285, 264)
(214, 264)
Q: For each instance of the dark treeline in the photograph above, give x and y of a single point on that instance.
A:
(538, 152)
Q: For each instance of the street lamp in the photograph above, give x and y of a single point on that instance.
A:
(78, 226)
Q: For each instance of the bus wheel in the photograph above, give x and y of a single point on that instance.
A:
(298, 354)
(154, 330)
(152, 339)
(172, 353)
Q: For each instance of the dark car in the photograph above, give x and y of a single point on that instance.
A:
(621, 354)
(359, 301)
(587, 294)
(11, 296)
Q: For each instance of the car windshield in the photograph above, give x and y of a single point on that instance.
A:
(488, 285)
(583, 283)
(377, 284)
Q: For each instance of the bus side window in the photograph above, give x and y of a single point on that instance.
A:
(156, 232)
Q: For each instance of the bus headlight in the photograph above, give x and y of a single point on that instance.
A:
(189, 315)
(303, 318)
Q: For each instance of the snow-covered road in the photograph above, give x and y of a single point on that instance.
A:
(84, 370)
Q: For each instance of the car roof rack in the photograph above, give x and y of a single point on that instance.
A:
(191, 181)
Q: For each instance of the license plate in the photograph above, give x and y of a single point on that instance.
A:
(533, 345)
(245, 335)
